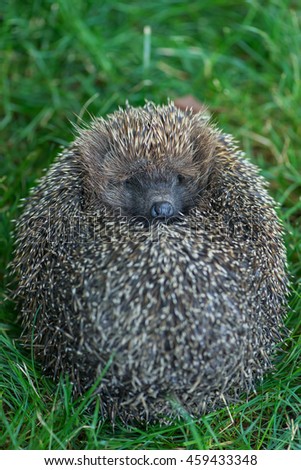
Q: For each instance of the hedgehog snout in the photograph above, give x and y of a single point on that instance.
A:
(162, 209)
(151, 196)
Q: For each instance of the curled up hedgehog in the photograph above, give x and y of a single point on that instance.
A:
(150, 259)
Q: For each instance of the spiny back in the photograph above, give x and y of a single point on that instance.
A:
(152, 244)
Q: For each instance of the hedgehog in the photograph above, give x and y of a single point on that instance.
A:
(151, 266)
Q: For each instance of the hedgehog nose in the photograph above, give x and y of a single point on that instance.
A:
(162, 209)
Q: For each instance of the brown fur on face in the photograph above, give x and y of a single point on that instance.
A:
(140, 156)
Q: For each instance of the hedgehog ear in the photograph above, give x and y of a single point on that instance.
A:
(205, 143)
(92, 146)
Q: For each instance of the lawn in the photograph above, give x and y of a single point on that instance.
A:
(70, 59)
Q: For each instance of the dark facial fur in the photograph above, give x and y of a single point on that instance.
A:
(152, 194)
(148, 163)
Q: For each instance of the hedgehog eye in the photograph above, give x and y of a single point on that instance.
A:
(127, 183)
(181, 179)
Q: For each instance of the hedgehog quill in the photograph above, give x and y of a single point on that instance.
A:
(152, 248)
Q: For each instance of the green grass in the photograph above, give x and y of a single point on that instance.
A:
(70, 58)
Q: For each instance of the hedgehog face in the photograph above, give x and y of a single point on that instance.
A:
(152, 195)
(150, 163)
